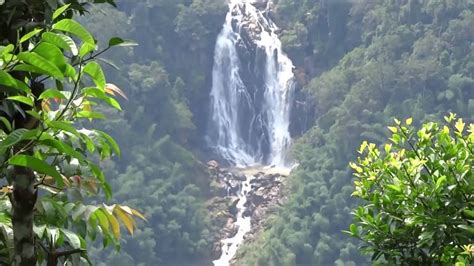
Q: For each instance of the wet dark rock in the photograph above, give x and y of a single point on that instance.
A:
(260, 4)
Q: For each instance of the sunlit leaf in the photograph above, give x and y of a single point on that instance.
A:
(94, 70)
(36, 165)
(60, 10)
(21, 99)
(62, 41)
(30, 34)
(73, 27)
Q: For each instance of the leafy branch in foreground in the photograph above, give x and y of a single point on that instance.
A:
(50, 83)
(417, 194)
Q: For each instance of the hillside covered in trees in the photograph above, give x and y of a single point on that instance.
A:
(357, 65)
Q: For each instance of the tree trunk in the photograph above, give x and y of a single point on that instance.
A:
(23, 203)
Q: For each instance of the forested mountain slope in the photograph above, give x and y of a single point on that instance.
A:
(362, 63)
(166, 80)
(358, 65)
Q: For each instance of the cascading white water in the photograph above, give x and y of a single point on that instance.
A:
(252, 85)
(230, 245)
(252, 88)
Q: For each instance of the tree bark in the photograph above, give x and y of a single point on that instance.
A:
(23, 203)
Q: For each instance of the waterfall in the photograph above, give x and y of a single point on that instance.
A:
(252, 87)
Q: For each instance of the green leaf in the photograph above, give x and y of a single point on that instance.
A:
(34, 114)
(13, 138)
(100, 94)
(64, 148)
(30, 34)
(115, 41)
(100, 176)
(37, 165)
(41, 63)
(59, 11)
(86, 48)
(114, 224)
(354, 230)
(94, 70)
(52, 53)
(102, 218)
(73, 27)
(395, 188)
(468, 228)
(441, 180)
(73, 240)
(22, 99)
(6, 123)
(62, 41)
(51, 93)
(469, 213)
(78, 211)
(61, 125)
(90, 115)
(7, 80)
(111, 141)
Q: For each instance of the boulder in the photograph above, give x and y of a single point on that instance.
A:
(260, 4)
(212, 164)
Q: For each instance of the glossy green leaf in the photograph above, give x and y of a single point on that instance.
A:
(52, 53)
(6, 123)
(30, 34)
(51, 94)
(73, 27)
(64, 148)
(90, 115)
(115, 41)
(37, 165)
(7, 80)
(62, 41)
(111, 141)
(94, 70)
(41, 63)
(73, 239)
(22, 99)
(61, 125)
(59, 11)
(13, 138)
(102, 218)
(469, 213)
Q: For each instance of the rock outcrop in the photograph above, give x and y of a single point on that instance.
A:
(264, 196)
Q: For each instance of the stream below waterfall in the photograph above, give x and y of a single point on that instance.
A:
(230, 245)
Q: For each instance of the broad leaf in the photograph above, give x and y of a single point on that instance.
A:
(40, 62)
(94, 70)
(51, 93)
(59, 11)
(62, 41)
(37, 165)
(52, 53)
(115, 41)
(73, 27)
(30, 34)
(22, 99)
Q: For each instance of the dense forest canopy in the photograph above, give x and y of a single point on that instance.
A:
(357, 66)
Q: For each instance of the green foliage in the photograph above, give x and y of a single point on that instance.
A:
(42, 151)
(380, 59)
(416, 193)
(160, 126)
